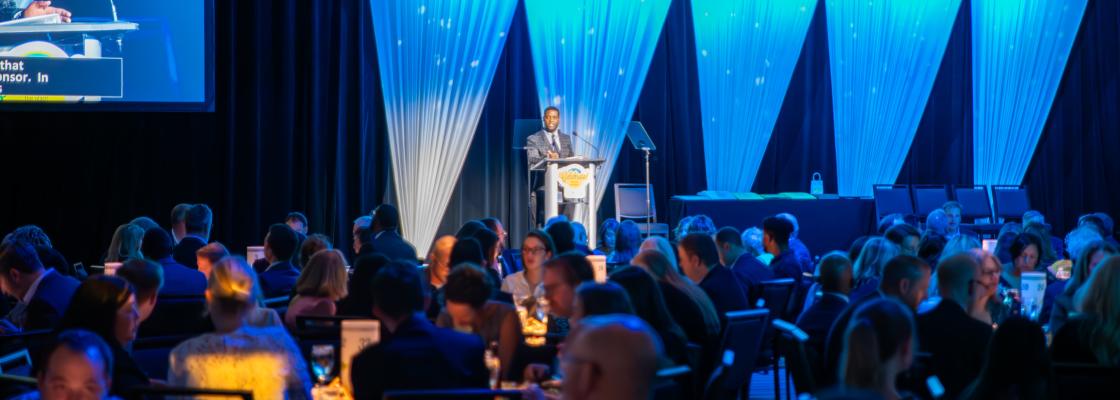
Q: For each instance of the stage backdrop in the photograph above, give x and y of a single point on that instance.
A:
(300, 125)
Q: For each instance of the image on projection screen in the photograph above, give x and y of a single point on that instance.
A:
(103, 51)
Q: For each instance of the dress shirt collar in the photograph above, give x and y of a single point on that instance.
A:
(35, 286)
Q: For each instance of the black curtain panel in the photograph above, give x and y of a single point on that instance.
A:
(299, 125)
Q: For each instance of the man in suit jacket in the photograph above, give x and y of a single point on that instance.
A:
(699, 259)
(956, 342)
(836, 282)
(10, 9)
(385, 238)
(548, 142)
(279, 246)
(178, 280)
(43, 294)
(198, 222)
(415, 354)
(749, 270)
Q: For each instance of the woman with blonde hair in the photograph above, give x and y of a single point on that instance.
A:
(321, 283)
(868, 267)
(1093, 336)
(125, 244)
(238, 355)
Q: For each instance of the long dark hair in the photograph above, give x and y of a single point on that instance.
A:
(95, 304)
(649, 303)
(874, 335)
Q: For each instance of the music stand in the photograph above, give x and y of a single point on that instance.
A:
(641, 141)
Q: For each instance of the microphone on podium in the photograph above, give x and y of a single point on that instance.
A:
(593, 146)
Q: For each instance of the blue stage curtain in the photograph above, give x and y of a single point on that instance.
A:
(1020, 50)
(590, 58)
(746, 52)
(437, 60)
(884, 58)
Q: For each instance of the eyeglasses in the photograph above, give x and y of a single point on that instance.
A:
(534, 250)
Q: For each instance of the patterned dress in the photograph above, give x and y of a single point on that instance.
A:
(266, 360)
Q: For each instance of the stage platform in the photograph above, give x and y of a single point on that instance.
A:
(826, 224)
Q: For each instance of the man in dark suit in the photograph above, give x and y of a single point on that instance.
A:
(836, 282)
(11, 9)
(905, 278)
(546, 143)
(178, 279)
(386, 238)
(280, 277)
(415, 354)
(197, 225)
(699, 259)
(750, 271)
(43, 294)
(956, 342)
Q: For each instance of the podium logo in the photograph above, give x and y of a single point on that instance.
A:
(574, 177)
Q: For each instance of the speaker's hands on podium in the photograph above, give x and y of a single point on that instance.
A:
(553, 155)
(37, 8)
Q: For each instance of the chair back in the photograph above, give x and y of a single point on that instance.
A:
(929, 197)
(479, 394)
(16, 363)
(630, 203)
(791, 343)
(776, 296)
(1011, 201)
(892, 199)
(742, 339)
(1084, 381)
(974, 201)
(176, 315)
(672, 383)
(146, 392)
(153, 353)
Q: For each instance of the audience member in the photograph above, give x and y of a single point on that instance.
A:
(360, 234)
(386, 238)
(953, 228)
(125, 244)
(1007, 235)
(467, 250)
(857, 247)
(209, 255)
(30, 234)
(699, 259)
(1109, 228)
(906, 237)
(835, 276)
(775, 236)
(581, 238)
(868, 268)
(414, 354)
(197, 227)
(687, 303)
(506, 257)
(491, 249)
(1093, 222)
(145, 223)
(1093, 336)
(905, 278)
(51, 258)
(280, 277)
(42, 294)
(954, 339)
(1064, 291)
(314, 243)
(987, 303)
(681, 229)
(536, 248)
(752, 240)
(179, 221)
(563, 237)
(795, 244)
(321, 284)
(1025, 253)
(957, 245)
(77, 364)
(592, 298)
(1034, 217)
(359, 300)
(649, 305)
(178, 279)
(607, 238)
(469, 309)
(878, 347)
(937, 223)
(1016, 365)
(1078, 239)
(627, 243)
(1047, 254)
(750, 272)
(889, 221)
(239, 355)
(297, 221)
(562, 274)
(147, 277)
(661, 244)
(930, 247)
(609, 357)
(106, 305)
(701, 224)
(439, 263)
(469, 228)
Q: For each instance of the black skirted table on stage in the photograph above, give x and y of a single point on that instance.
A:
(826, 224)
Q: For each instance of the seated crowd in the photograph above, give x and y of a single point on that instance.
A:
(916, 301)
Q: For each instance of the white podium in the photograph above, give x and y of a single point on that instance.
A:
(572, 181)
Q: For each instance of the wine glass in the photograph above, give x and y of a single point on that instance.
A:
(322, 359)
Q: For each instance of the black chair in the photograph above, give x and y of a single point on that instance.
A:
(799, 364)
(1085, 381)
(974, 202)
(777, 296)
(153, 354)
(16, 385)
(26, 340)
(16, 363)
(892, 199)
(141, 393)
(1011, 201)
(176, 315)
(480, 394)
(928, 198)
(742, 338)
(277, 302)
(672, 384)
(630, 203)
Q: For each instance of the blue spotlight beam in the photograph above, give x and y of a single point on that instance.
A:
(591, 58)
(437, 59)
(1019, 52)
(884, 56)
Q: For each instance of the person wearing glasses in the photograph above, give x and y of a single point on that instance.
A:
(536, 248)
(955, 340)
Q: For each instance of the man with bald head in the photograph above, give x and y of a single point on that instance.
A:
(835, 277)
(956, 341)
(610, 357)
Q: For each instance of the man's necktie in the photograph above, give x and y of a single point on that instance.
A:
(555, 147)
